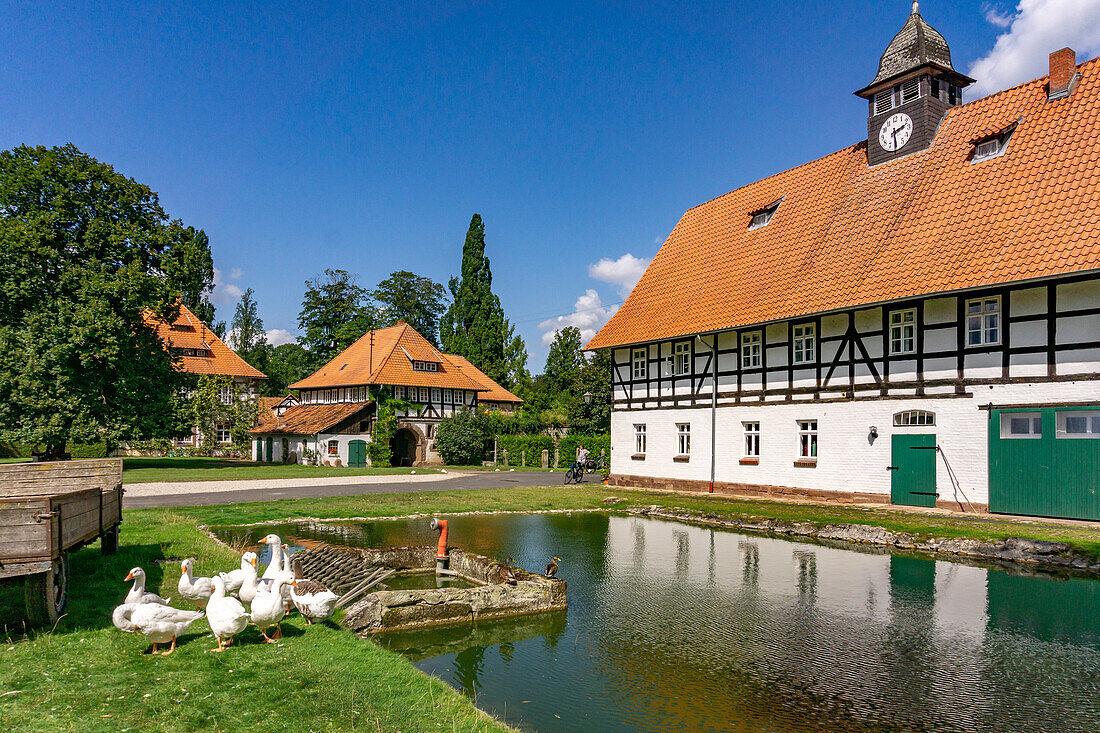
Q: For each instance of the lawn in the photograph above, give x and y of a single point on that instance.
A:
(85, 675)
(145, 470)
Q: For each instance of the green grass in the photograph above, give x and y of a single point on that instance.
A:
(14, 460)
(145, 470)
(501, 468)
(87, 676)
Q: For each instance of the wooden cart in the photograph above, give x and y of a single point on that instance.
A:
(48, 510)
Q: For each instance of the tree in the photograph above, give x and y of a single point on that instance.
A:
(515, 374)
(218, 402)
(189, 265)
(249, 336)
(334, 314)
(286, 364)
(87, 252)
(418, 301)
(473, 326)
(594, 378)
(565, 359)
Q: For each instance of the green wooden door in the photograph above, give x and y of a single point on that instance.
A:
(269, 450)
(357, 454)
(913, 469)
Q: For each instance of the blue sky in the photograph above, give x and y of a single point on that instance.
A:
(364, 135)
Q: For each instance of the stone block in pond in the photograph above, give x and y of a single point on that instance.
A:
(492, 596)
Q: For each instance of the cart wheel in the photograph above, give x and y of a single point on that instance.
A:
(45, 594)
(108, 544)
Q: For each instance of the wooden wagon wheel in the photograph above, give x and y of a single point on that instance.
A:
(45, 595)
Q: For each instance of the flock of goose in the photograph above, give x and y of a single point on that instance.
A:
(222, 600)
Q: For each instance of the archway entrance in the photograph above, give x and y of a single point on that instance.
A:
(403, 445)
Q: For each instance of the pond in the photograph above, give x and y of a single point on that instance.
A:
(673, 627)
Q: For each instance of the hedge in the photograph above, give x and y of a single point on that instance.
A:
(524, 449)
(75, 450)
(567, 447)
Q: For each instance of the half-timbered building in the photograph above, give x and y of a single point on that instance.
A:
(913, 319)
(333, 418)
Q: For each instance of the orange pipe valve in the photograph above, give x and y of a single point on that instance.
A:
(440, 525)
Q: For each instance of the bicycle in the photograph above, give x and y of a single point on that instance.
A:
(575, 472)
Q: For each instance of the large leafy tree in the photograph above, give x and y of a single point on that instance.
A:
(247, 331)
(593, 378)
(473, 326)
(286, 364)
(418, 301)
(86, 251)
(335, 313)
(516, 374)
(564, 360)
(189, 263)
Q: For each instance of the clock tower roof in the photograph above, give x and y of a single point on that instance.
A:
(917, 45)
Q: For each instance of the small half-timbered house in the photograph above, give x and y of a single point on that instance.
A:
(334, 415)
(913, 319)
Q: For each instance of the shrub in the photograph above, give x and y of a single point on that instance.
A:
(568, 445)
(459, 439)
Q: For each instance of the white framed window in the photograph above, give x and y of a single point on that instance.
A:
(991, 147)
(682, 362)
(750, 349)
(639, 439)
(903, 331)
(436, 395)
(425, 366)
(1021, 425)
(762, 217)
(423, 394)
(805, 347)
(446, 396)
(807, 438)
(334, 447)
(1079, 424)
(223, 433)
(225, 395)
(639, 367)
(752, 439)
(911, 418)
(983, 321)
(399, 393)
(683, 438)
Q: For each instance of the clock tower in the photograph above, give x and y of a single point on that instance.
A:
(915, 86)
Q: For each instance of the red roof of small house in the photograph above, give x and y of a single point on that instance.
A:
(188, 332)
(308, 419)
(846, 234)
(385, 356)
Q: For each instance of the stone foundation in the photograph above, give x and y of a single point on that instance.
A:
(765, 491)
(397, 610)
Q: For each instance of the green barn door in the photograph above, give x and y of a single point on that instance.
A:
(913, 473)
(357, 454)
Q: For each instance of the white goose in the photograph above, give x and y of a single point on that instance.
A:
(138, 594)
(196, 590)
(268, 610)
(234, 579)
(275, 563)
(159, 624)
(312, 599)
(252, 584)
(225, 614)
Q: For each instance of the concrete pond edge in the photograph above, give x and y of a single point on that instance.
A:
(1043, 554)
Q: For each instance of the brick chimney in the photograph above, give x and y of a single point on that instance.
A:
(1063, 73)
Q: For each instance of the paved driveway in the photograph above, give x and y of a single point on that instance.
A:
(207, 494)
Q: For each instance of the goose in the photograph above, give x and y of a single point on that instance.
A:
(552, 568)
(312, 599)
(275, 564)
(287, 574)
(138, 594)
(225, 614)
(234, 579)
(252, 584)
(268, 610)
(159, 624)
(196, 590)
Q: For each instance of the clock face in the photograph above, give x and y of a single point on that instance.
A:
(895, 132)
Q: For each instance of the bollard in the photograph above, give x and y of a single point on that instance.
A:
(545, 458)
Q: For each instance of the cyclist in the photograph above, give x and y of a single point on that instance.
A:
(582, 455)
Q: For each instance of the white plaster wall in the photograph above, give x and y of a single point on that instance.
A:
(847, 459)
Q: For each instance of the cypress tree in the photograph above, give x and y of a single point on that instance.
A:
(473, 326)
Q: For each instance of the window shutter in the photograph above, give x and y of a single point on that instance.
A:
(910, 90)
(884, 101)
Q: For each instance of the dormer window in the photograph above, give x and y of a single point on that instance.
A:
(761, 217)
(991, 146)
(425, 366)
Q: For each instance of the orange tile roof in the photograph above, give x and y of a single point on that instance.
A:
(188, 332)
(496, 393)
(308, 419)
(384, 356)
(849, 235)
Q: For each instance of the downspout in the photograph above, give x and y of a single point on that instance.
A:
(713, 406)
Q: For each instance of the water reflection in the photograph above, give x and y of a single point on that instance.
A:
(672, 627)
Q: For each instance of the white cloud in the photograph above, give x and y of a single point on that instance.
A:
(226, 292)
(280, 336)
(623, 272)
(1034, 29)
(993, 16)
(589, 315)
